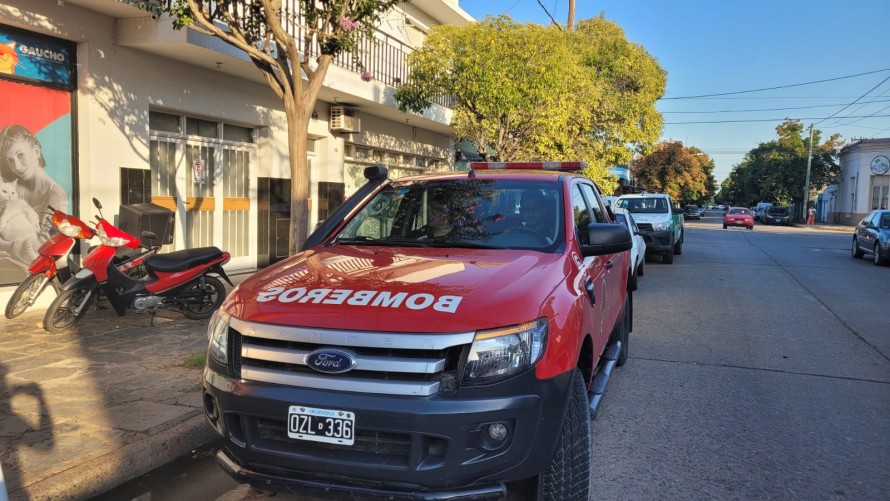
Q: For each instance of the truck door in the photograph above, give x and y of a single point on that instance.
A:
(593, 274)
(615, 264)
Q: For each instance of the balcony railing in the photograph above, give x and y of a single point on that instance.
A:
(382, 55)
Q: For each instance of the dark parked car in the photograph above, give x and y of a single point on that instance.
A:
(692, 212)
(777, 215)
(872, 235)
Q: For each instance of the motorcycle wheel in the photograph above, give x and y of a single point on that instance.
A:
(25, 294)
(200, 301)
(61, 314)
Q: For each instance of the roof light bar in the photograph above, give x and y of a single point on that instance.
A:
(528, 165)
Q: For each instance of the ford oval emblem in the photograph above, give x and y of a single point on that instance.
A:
(331, 360)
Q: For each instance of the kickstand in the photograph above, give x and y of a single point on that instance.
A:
(152, 315)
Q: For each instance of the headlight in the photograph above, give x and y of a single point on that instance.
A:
(72, 230)
(218, 333)
(110, 241)
(661, 226)
(498, 354)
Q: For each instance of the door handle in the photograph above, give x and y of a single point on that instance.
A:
(591, 290)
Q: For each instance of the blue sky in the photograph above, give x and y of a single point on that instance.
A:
(714, 47)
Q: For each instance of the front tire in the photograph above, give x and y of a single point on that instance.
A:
(856, 251)
(25, 294)
(724, 226)
(678, 247)
(569, 476)
(879, 259)
(67, 308)
(202, 297)
(632, 281)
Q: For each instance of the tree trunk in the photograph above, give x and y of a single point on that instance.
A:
(298, 130)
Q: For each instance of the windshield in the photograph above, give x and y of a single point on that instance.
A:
(644, 205)
(739, 211)
(778, 211)
(482, 213)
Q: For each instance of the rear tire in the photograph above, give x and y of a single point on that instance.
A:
(25, 294)
(569, 476)
(641, 268)
(200, 302)
(61, 314)
(621, 332)
(857, 252)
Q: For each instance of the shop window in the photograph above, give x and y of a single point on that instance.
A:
(164, 122)
(203, 128)
(875, 197)
(135, 186)
(237, 133)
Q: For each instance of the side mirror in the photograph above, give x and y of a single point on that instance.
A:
(606, 238)
(96, 203)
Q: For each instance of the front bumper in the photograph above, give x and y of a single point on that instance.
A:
(405, 447)
(658, 242)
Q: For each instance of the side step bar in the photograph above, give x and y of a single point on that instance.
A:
(598, 387)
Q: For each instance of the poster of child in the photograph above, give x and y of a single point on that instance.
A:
(26, 190)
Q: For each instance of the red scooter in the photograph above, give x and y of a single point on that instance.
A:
(47, 269)
(179, 278)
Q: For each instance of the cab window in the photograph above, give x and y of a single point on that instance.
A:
(581, 215)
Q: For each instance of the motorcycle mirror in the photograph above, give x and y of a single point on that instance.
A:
(96, 203)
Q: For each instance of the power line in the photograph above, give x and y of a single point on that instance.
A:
(778, 87)
(851, 104)
(772, 109)
(770, 120)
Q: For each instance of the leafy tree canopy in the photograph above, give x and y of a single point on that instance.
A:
(684, 173)
(775, 171)
(530, 92)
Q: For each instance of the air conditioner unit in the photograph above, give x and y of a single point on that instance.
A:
(344, 119)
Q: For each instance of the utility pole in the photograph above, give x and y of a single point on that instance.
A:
(806, 186)
(571, 23)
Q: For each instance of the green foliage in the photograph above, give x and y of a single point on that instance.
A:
(775, 171)
(684, 173)
(196, 360)
(530, 92)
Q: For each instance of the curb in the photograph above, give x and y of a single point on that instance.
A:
(122, 465)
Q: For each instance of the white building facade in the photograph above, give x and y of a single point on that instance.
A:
(863, 184)
(129, 111)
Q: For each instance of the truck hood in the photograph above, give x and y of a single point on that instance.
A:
(387, 289)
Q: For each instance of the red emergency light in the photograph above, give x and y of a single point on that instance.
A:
(527, 165)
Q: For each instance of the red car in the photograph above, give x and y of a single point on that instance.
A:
(738, 216)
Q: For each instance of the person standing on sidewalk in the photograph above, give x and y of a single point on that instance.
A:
(811, 215)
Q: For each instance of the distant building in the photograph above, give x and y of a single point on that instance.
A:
(863, 184)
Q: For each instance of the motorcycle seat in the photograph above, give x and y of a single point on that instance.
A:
(182, 260)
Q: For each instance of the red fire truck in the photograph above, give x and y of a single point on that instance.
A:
(445, 336)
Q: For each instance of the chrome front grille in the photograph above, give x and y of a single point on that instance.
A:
(416, 364)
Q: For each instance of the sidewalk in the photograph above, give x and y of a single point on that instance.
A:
(104, 402)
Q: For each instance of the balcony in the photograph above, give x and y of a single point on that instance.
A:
(382, 54)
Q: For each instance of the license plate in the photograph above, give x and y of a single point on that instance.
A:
(321, 425)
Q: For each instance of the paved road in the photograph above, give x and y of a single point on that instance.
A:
(760, 369)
